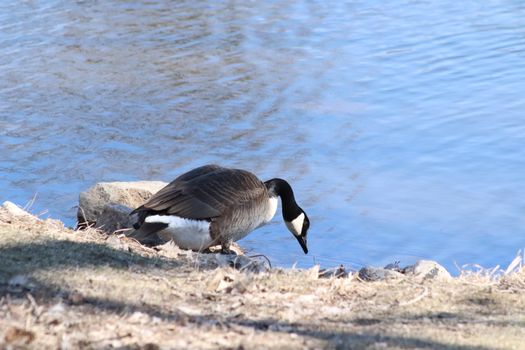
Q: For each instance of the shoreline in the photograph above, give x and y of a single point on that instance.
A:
(61, 288)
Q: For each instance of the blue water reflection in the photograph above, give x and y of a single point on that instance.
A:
(399, 125)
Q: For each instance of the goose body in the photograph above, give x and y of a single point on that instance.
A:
(213, 205)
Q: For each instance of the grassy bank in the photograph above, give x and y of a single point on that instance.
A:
(69, 289)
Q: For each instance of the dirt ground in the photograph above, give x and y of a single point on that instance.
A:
(68, 289)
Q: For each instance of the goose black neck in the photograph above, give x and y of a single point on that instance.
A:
(281, 188)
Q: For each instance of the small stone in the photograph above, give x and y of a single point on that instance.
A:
(238, 262)
(425, 270)
(338, 272)
(20, 283)
(373, 274)
(394, 266)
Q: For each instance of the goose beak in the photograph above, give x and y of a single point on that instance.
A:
(302, 242)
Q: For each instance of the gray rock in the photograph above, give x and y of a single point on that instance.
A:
(20, 283)
(130, 194)
(336, 272)
(372, 274)
(424, 270)
(114, 217)
(238, 262)
(394, 266)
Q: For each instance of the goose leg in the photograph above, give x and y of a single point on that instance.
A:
(225, 248)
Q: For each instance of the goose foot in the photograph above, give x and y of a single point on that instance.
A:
(225, 249)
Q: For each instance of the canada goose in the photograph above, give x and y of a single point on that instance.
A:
(212, 205)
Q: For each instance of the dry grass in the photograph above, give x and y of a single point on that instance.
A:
(67, 289)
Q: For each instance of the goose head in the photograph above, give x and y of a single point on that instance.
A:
(299, 228)
(294, 217)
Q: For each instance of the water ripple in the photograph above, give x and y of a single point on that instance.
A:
(398, 124)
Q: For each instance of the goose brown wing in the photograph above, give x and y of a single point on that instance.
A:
(200, 171)
(206, 192)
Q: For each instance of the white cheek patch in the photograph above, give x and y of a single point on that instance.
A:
(296, 225)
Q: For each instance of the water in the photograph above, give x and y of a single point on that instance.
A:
(400, 125)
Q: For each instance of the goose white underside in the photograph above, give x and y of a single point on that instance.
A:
(186, 233)
(272, 208)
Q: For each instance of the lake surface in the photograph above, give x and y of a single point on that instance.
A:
(400, 126)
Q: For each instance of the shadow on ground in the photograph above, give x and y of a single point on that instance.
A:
(60, 255)
(25, 258)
